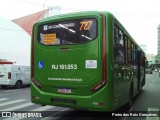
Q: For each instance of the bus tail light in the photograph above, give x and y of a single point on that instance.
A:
(98, 103)
(104, 58)
(35, 97)
(9, 75)
(36, 83)
(32, 54)
(32, 61)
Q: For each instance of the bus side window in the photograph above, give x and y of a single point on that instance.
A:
(143, 60)
(125, 49)
(129, 54)
(130, 51)
(133, 54)
(118, 45)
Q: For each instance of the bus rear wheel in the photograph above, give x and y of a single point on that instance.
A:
(18, 84)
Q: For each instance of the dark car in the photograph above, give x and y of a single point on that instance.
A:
(148, 71)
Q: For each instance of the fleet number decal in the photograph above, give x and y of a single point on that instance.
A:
(64, 66)
(85, 25)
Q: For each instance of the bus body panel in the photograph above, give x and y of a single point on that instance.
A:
(74, 67)
(94, 102)
(57, 85)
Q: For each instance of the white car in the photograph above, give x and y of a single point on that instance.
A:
(14, 75)
(156, 70)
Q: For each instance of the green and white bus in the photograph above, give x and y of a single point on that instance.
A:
(85, 60)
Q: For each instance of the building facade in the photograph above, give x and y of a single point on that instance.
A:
(144, 47)
(158, 42)
(158, 45)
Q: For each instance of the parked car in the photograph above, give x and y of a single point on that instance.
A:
(148, 71)
(156, 70)
(14, 75)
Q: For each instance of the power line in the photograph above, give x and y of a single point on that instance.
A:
(148, 15)
(11, 29)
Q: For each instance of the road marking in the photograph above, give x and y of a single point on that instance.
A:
(54, 115)
(13, 118)
(17, 107)
(25, 105)
(43, 108)
(11, 102)
(10, 90)
(2, 99)
(152, 110)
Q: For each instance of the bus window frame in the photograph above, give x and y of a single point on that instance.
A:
(97, 31)
(116, 26)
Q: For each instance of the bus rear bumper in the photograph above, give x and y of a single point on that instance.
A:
(71, 101)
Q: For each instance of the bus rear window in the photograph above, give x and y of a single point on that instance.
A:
(68, 32)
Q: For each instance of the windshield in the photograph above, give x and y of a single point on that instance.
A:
(68, 32)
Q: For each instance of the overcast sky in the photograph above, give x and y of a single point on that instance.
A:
(140, 17)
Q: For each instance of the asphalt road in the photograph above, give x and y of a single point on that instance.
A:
(19, 100)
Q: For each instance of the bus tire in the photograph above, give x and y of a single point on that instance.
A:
(18, 84)
(130, 100)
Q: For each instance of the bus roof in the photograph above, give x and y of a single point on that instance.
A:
(82, 13)
(88, 13)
